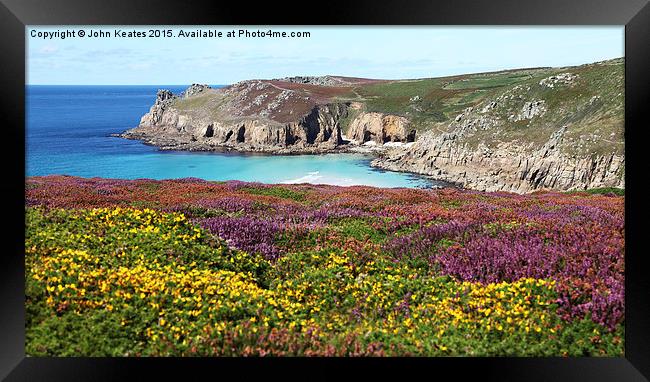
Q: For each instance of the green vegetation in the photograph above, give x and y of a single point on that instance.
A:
(491, 80)
(346, 120)
(359, 229)
(277, 191)
(345, 272)
(591, 106)
(192, 103)
(602, 191)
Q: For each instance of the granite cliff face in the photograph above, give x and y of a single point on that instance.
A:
(189, 122)
(508, 167)
(518, 130)
(380, 128)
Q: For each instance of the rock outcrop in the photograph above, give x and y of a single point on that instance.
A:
(195, 89)
(559, 79)
(531, 109)
(175, 122)
(313, 80)
(508, 166)
(155, 115)
(380, 128)
(327, 80)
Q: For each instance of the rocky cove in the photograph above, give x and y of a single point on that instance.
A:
(317, 131)
(543, 130)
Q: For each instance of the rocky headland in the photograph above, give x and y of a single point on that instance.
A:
(287, 116)
(517, 130)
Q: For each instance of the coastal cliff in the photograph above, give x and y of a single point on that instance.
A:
(516, 130)
(277, 116)
(562, 132)
(509, 167)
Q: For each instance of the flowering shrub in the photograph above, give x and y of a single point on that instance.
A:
(248, 234)
(190, 267)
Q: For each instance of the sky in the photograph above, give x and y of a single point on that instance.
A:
(370, 52)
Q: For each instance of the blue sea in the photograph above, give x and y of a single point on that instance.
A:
(68, 132)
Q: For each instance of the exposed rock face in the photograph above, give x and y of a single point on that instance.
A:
(168, 126)
(380, 128)
(163, 99)
(531, 109)
(559, 79)
(195, 89)
(313, 80)
(318, 129)
(508, 167)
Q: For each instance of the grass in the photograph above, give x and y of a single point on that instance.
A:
(603, 191)
(488, 81)
(359, 229)
(594, 125)
(278, 192)
(192, 103)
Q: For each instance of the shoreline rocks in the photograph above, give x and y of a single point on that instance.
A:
(509, 167)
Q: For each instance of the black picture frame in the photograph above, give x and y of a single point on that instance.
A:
(16, 14)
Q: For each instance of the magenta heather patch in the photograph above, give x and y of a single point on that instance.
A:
(248, 234)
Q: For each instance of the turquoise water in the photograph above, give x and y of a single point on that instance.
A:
(68, 132)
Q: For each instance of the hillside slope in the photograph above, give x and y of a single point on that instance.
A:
(560, 129)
